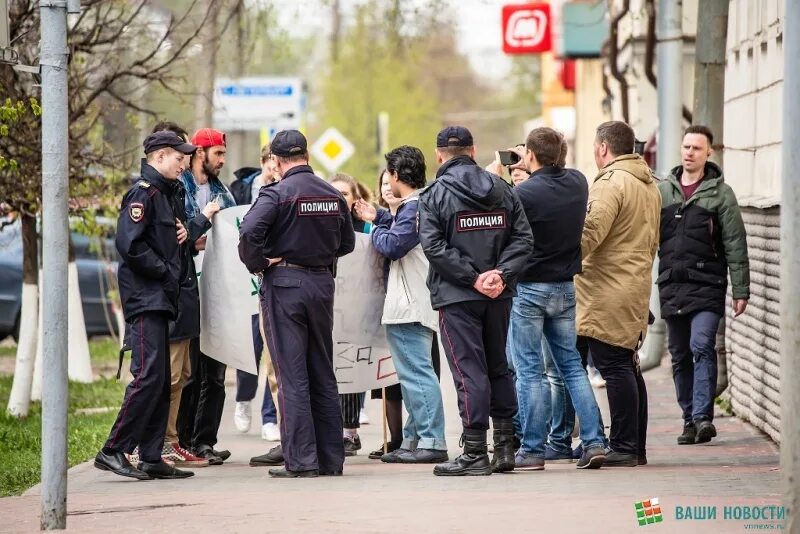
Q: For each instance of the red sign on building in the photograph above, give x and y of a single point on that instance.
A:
(526, 29)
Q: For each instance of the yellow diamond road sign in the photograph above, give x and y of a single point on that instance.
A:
(332, 149)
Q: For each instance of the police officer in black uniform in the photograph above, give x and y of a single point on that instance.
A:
(293, 234)
(477, 238)
(148, 242)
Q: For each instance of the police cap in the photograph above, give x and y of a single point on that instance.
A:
(288, 143)
(454, 136)
(167, 139)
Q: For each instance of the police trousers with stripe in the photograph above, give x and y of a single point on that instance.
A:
(297, 309)
(474, 336)
(142, 419)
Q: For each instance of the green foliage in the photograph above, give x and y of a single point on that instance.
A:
(21, 442)
(11, 114)
(370, 77)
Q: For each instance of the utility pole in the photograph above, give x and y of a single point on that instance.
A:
(709, 99)
(790, 269)
(669, 53)
(55, 239)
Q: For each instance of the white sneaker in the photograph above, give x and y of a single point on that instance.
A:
(270, 432)
(242, 417)
(362, 417)
(595, 378)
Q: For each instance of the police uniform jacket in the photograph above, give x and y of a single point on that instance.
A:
(150, 265)
(302, 219)
(470, 222)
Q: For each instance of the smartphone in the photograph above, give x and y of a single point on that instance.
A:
(507, 157)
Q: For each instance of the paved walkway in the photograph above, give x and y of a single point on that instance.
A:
(739, 468)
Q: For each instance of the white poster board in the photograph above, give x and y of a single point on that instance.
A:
(361, 358)
(229, 297)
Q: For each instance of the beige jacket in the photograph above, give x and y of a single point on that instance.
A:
(619, 243)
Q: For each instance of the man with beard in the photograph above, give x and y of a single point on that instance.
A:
(204, 393)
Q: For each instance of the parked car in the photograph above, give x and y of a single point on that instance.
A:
(93, 275)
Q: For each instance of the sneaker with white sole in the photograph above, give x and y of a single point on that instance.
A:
(242, 417)
(177, 455)
(270, 432)
(363, 419)
(595, 378)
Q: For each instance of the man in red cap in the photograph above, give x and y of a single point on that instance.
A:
(204, 393)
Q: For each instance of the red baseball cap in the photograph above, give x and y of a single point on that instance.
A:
(206, 137)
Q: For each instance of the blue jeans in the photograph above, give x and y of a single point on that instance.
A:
(546, 311)
(410, 347)
(562, 420)
(692, 342)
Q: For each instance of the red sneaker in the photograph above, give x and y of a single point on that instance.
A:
(181, 457)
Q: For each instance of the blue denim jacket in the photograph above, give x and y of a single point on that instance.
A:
(217, 188)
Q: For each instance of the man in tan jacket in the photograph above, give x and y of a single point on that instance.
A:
(619, 243)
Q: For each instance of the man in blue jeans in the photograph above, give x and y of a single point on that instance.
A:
(554, 199)
(703, 238)
(407, 313)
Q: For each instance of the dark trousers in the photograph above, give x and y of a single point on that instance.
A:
(142, 419)
(692, 343)
(474, 339)
(297, 308)
(202, 401)
(627, 393)
(247, 384)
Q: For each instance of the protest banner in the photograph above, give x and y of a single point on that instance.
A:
(229, 296)
(361, 358)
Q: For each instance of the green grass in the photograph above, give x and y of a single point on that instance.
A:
(20, 439)
(104, 349)
(101, 349)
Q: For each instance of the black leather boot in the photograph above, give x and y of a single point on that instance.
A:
(474, 460)
(503, 459)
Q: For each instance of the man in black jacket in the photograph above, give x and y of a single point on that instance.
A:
(148, 241)
(476, 236)
(292, 236)
(186, 325)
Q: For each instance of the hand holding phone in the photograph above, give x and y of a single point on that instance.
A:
(508, 157)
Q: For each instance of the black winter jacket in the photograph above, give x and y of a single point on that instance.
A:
(702, 238)
(470, 222)
(150, 266)
(241, 187)
(187, 322)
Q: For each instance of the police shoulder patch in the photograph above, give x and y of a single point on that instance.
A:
(136, 211)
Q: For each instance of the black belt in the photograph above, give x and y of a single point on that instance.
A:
(303, 267)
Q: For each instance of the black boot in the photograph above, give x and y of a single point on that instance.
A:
(503, 459)
(474, 460)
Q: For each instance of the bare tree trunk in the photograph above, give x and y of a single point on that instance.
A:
(336, 29)
(20, 397)
(204, 105)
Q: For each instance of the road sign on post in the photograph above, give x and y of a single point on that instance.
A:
(332, 149)
(256, 103)
(526, 29)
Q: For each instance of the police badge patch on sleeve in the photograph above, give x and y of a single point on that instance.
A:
(136, 212)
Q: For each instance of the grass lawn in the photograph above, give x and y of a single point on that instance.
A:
(20, 439)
